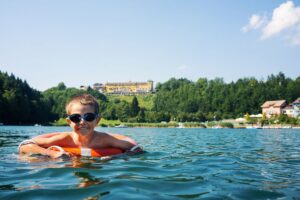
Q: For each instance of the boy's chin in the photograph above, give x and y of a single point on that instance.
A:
(83, 131)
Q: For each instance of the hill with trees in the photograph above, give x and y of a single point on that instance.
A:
(20, 104)
(204, 99)
(175, 100)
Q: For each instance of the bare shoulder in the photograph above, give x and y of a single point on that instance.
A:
(102, 135)
(102, 139)
(107, 140)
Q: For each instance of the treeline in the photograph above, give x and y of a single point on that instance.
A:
(175, 100)
(184, 100)
(20, 104)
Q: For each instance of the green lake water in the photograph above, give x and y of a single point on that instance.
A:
(179, 164)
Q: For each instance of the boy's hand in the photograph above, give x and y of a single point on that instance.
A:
(135, 150)
(57, 154)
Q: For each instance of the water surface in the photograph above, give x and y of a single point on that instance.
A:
(179, 164)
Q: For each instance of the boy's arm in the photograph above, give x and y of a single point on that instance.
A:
(36, 149)
(50, 141)
(39, 145)
(127, 146)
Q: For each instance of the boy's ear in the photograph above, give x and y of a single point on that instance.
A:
(98, 119)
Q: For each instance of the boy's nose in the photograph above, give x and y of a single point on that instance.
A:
(82, 121)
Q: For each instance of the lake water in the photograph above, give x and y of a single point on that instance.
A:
(179, 164)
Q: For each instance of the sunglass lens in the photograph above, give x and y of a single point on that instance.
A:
(89, 117)
(75, 118)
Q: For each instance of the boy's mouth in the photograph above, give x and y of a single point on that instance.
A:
(82, 128)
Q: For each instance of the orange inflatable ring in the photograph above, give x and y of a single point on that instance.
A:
(77, 151)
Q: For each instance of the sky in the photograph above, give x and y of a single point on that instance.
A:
(86, 42)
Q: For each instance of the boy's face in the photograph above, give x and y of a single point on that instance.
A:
(83, 127)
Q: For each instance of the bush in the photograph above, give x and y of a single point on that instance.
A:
(226, 125)
(194, 125)
(211, 124)
(152, 125)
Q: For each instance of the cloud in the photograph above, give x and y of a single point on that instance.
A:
(285, 21)
(284, 17)
(255, 22)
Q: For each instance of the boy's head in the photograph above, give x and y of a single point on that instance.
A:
(83, 99)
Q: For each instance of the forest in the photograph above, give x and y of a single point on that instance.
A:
(179, 100)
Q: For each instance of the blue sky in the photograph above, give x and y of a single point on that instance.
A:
(84, 42)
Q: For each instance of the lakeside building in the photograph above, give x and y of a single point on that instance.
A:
(296, 107)
(273, 107)
(125, 87)
(288, 110)
(82, 87)
(281, 107)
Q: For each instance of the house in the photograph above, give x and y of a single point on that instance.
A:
(99, 86)
(82, 87)
(273, 107)
(288, 110)
(296, 107)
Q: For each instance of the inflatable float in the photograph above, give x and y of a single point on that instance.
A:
(77, 151)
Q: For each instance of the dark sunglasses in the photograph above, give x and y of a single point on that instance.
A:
(86, 117)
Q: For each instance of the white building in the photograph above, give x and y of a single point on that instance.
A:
(293, 109)
(296, 107)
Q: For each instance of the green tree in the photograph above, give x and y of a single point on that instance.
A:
(141, 116)
(134, 107)
(61, 86)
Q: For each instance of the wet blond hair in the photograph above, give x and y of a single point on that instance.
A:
(83, 99)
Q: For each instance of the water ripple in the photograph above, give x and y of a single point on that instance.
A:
(179, 164)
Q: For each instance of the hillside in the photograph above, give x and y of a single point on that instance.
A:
(145, 100)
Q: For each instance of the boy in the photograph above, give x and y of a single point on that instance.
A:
(82, 116)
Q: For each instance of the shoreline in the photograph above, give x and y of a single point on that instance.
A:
(173, 125)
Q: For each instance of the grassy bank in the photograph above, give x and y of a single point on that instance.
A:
(173, 124)
(114, 123)
(103, 122)
(145, 100)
